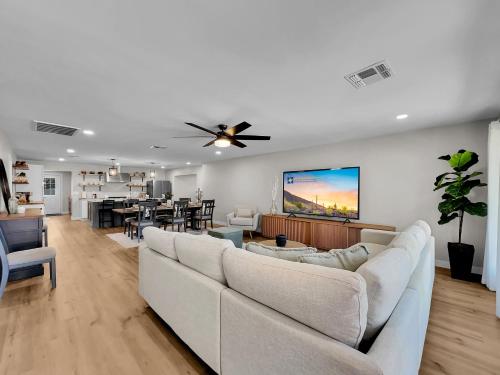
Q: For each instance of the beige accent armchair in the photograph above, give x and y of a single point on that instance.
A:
(244, 218)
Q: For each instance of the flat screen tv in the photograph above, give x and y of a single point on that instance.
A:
(322, 192)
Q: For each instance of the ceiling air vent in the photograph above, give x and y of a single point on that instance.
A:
(46, 127)
(370, 74)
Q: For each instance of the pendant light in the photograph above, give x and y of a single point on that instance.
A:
(113, 170)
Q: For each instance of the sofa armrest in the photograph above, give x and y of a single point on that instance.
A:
(229, 217)
(381, 237)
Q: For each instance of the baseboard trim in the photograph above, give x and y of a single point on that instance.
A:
(445, 264)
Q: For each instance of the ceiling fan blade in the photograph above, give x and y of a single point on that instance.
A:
(236, 143)
(253, 137)
(238, 128)
(210, 143)
(195, 136)
(201, 128)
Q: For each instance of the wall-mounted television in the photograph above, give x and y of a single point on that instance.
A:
(322, 192)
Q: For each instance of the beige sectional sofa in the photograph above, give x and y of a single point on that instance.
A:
(245, 313)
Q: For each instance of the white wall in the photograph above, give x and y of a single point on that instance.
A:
(397, 176)
(9, 158)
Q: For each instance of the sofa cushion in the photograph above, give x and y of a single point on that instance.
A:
(329, 300)
(160, 241)
(321, 259)
(242, 221)
(373, 248)
(244, 212)
(386, 276)
(279, 252)
(203, 254)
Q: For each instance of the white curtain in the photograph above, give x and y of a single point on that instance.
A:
(491, 253)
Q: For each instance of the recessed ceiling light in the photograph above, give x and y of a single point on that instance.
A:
(70, 151)
(61, 159)
(117, 163)
(162, 167)
(188, 163)
(218, 152)
(88, 132)
(402, 116)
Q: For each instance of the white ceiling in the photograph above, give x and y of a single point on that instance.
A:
(135, 71)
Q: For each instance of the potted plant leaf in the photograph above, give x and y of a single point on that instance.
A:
(455, 203)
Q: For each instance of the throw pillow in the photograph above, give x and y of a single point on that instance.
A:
(279, 252)
(348, 259)
(244, 212)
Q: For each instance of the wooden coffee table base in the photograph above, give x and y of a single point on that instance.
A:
(289, 244)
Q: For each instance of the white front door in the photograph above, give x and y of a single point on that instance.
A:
(52, 193)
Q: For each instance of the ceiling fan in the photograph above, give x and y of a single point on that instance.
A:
(226, 137)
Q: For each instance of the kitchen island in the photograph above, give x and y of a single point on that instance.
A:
(94, 206)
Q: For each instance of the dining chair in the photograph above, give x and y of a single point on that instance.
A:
(146, 217)
(178, 217)
(205, 214)
(128, 217)
(24, 258)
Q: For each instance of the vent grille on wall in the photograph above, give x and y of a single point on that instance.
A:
(371, 74)
(45, 127)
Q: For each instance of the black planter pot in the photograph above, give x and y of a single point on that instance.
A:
(281, 240)
(461, 258)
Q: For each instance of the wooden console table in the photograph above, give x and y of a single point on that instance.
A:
(321, 234)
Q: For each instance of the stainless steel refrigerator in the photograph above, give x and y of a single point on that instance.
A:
(156, 188)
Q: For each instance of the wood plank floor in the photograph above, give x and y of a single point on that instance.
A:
(96, 323)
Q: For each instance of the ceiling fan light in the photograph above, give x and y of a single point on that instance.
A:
(222, 142)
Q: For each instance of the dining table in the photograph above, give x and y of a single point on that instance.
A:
(161, 208)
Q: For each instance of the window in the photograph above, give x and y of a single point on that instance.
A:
(49, 186)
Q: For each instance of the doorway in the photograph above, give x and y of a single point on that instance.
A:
(52, 194)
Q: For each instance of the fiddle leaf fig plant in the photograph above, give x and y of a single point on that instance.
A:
(457, 185)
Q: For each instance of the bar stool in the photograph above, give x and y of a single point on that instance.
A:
(106, 212)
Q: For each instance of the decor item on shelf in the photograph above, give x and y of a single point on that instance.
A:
(21, 164)
(225, 137)
(113, 170)
(458, 185)
(13, 205)
(21, 178)
(22, 199)
(26, 195)
(281, 240)
(274, 195)
(83, 173)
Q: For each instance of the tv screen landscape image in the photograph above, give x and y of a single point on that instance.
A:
(322, 192)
